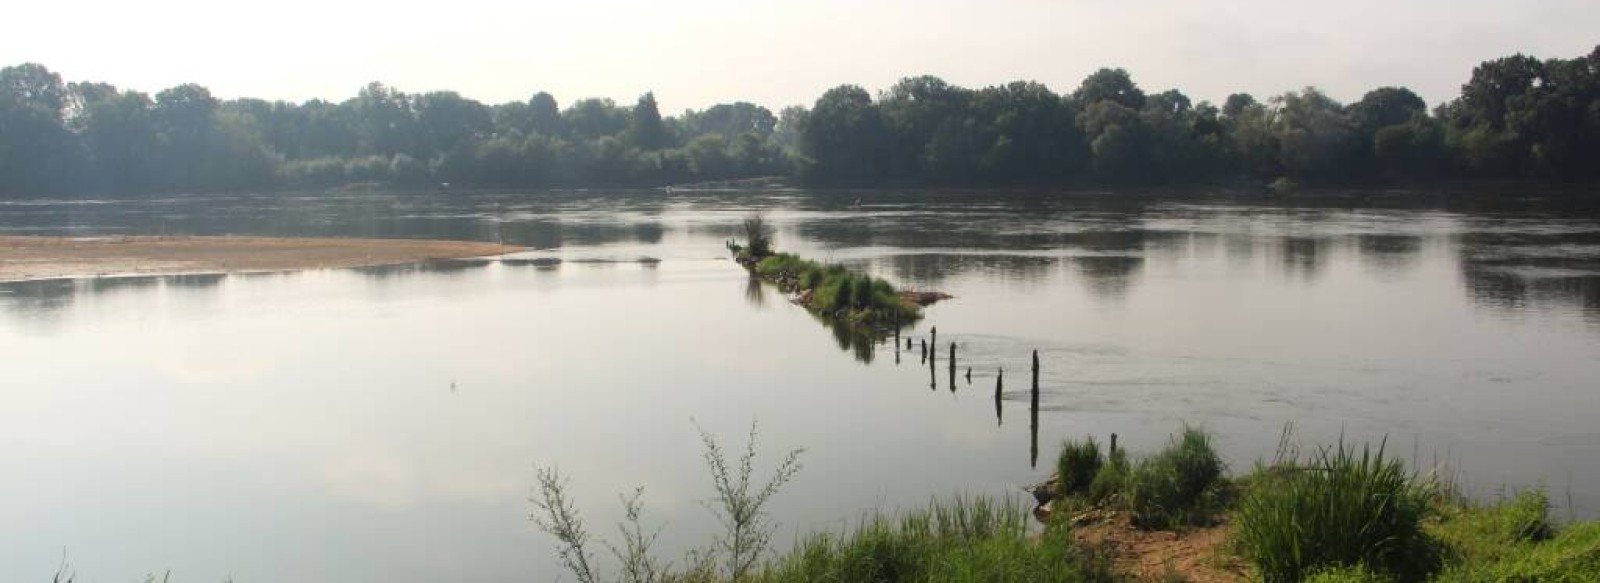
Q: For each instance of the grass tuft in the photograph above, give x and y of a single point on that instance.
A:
(1344, 507)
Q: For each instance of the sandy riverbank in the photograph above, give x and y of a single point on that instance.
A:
(29, 258)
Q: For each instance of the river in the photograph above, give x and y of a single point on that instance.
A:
(383, 424)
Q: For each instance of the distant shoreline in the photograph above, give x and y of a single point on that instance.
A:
(25, 258)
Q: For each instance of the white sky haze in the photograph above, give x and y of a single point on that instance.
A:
(695, 53)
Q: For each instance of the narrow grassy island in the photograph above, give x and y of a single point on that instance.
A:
(863, 303)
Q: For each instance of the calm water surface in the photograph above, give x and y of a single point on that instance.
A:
(384, 424)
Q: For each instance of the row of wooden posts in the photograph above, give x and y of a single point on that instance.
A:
(999, 383)
(999, 379)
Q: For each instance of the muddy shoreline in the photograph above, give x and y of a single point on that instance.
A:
(25, 258)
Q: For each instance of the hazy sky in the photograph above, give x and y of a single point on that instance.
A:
(694, 53)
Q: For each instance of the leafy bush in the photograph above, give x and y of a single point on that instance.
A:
(1112, 478)
(1339, 509)
(1177, 485)
(1077, 466)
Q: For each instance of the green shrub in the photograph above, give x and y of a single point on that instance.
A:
(861, 291)
(1339, 509)
(1077, 466)
(1513, 540)
(1178, 484)
(1112, 478)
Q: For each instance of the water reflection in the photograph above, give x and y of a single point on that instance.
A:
(1109, 276)
(1302, 257)
(1390, 255)
(1520, 268)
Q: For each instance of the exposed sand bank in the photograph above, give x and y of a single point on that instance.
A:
(29, 258)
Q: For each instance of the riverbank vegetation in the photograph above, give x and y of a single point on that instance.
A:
(1345, 513)
(1516, 118)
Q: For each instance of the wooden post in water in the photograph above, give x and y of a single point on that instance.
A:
(924, 351)
(1113, 444)
(1036, 378)
(933, 337)
(969, 375)
(1033, 413)
(1033, 433)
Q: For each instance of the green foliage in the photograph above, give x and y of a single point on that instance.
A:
(757, 236)
(1571, 556)
(1178, 485)
(741, 504)
(1340, 508)
(1181, 484)
(1111, 480)
(1356, 574)
(1517, 118)
(1077, 466)
(962, 540)
(1513, 540)
(835, 291)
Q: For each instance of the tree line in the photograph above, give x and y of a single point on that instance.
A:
(1516, 118)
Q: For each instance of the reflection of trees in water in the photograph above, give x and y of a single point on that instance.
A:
(195, 281)
(931, 269)
(1505, 289)
(1522, 270)
(754, 294)
(1108, 276)
(45, 299)
(636, 217)
(38, 300)
(1303, 257)
(1390, 254)
(444, 266)
(860, 342)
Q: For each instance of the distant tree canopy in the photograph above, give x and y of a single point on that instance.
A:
(1516, 118)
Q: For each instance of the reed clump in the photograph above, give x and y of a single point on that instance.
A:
(1342, 507)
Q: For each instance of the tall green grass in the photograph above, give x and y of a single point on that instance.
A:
(960, 540)
(1343, 507)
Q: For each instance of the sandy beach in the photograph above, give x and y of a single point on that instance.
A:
(31, 258)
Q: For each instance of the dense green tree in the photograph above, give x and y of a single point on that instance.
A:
(1110, 85)
(844, 141)
(37, 153)
(1516, 118)
(645, 129)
